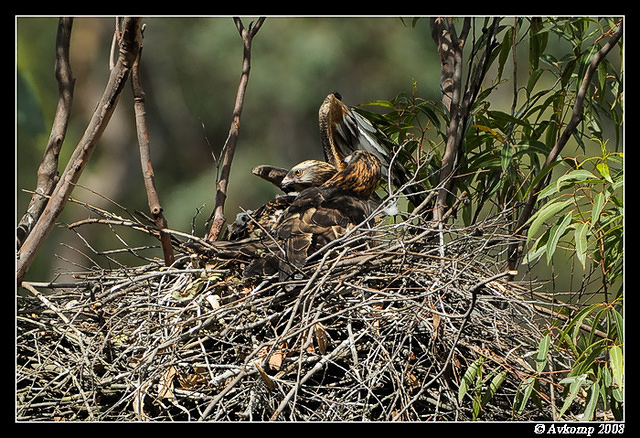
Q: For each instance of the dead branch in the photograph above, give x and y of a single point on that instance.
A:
(145, 160)
(247, 36)
(48, 170)
(129, 46)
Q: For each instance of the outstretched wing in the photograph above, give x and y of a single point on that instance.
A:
(344, 130)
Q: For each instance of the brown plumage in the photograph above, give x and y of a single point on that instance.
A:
(343, 131)
(317, 216)
(269, 173)
(324, 213)
(262, 221)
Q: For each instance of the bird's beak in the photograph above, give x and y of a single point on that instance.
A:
(286, 182)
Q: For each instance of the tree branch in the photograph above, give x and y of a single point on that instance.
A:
(230, 144)
(515, 249)
(129, 45)
(145, 159)
(48, 170)
(450, 47)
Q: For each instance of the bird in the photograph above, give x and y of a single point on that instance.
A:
(343, 130)
(317, 216)
(323, 213)
(306, 174)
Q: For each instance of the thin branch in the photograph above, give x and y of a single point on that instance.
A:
(145, 160)
(450, 47)
(230, 144)
(129, 45)
(515, 249)
(48, 170)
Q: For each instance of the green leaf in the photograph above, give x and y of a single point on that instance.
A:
(533, 255)
(577, 175)
(555, 234)
(543, 351)
(468, 378)
(616, 363)
(528, 389)
(546, 212)
(580, 236)
(603, 168)
(598, 203)
(575, 382)
(506, 154)
(494, 385)
(592, 401)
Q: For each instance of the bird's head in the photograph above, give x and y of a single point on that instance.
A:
(309, 173)
(360, 175)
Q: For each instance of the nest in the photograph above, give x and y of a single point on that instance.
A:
(383, 327)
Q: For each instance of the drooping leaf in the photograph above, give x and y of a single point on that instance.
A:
(616, 363)
(555, 234)
(545, 213)
(580, 237)
(543, 351)
(468, 378)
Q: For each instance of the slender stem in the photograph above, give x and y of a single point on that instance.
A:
(48, 170)
(129, 45)
(230, 144)
(145, 160)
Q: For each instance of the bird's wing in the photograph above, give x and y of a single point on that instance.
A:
(349, 130)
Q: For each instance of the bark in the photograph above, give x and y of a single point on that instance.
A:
(128, 51)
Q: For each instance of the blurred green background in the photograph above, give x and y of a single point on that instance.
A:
(191, 69)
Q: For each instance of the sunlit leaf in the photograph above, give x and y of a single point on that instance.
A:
(555, 234)
(598, 203)
(580, 237)
(575, 383)
(616, 363)
(468, 378)
(545, 213)
(592, 401)
(543, 351)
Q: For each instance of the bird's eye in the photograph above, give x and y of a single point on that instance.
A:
(298, 172)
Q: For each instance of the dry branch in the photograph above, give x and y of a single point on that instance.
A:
(129, 45)
(48, 170)
(145, 160)
(247, 35)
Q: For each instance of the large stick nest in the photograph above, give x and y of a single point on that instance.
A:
(383, 327)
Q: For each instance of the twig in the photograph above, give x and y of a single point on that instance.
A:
(230, 144)
(48, 170)
(466, 316)
(145, 159)
(129, 45)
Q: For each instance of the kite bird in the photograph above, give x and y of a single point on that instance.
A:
(309, 173)
(343, 130)
(306, 174)
(317, 216)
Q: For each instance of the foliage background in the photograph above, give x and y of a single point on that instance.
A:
(190, 73)
(190, 69)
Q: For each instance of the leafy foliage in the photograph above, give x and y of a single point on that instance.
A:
(504, 158)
